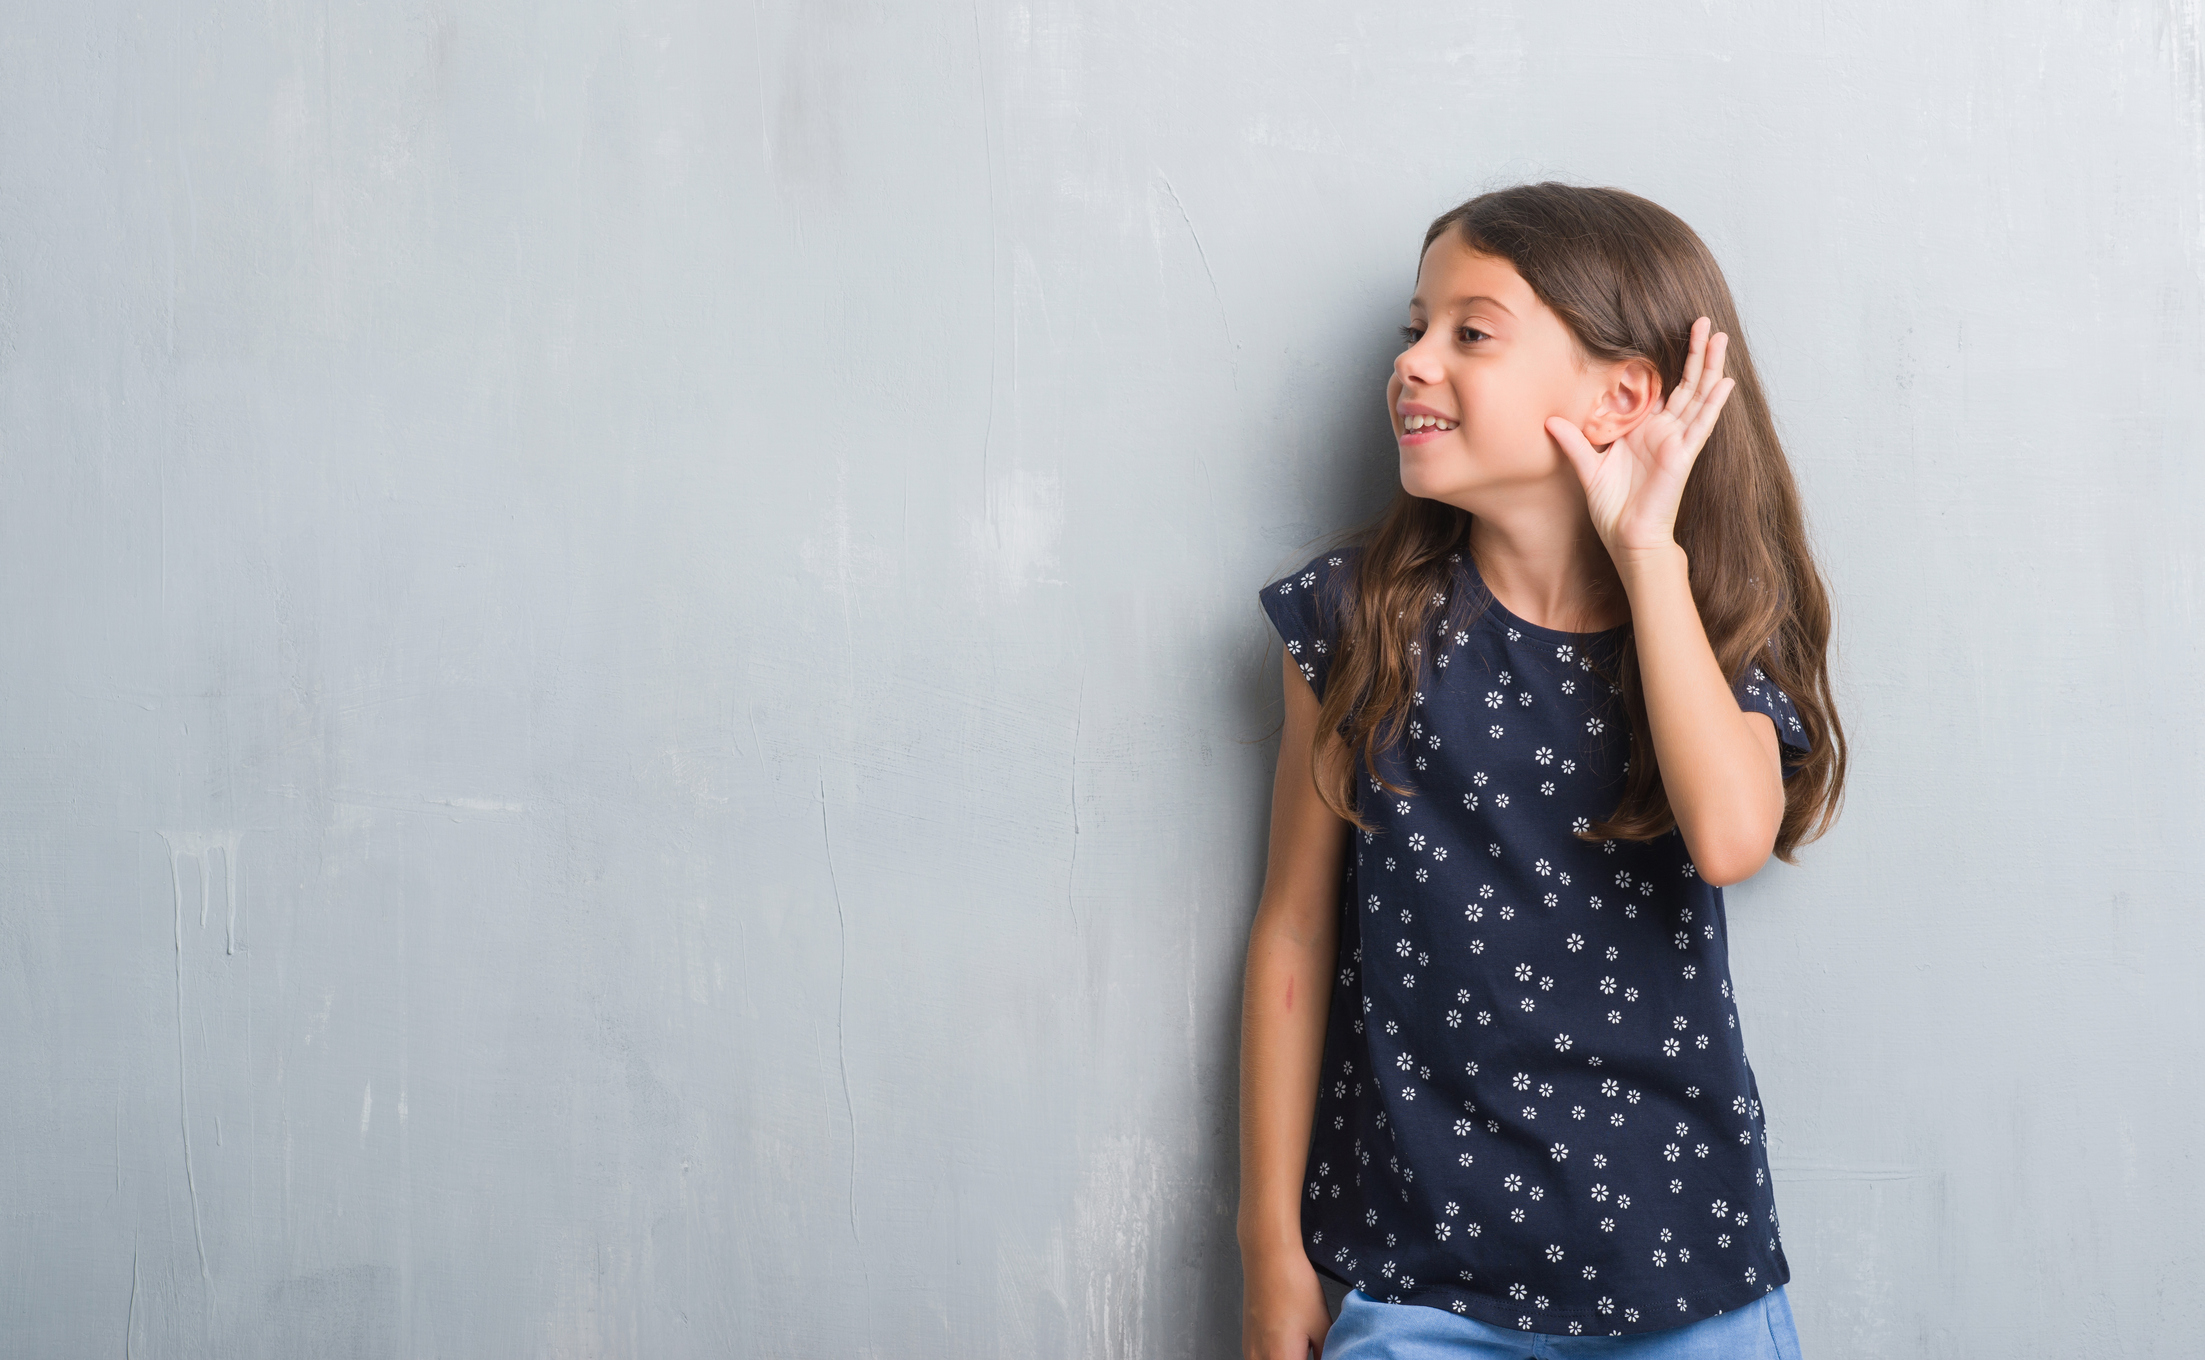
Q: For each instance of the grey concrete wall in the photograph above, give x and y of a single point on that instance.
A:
(634, 714)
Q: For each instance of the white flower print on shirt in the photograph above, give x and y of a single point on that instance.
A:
(1554, 738)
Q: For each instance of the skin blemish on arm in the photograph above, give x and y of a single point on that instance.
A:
(1290, 993)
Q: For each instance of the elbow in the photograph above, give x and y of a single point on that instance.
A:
(1725, 872)
(1722, 865)
(1731, 845)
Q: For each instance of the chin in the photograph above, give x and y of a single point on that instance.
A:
(1428, 482)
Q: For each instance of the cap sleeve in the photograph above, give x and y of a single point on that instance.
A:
(1302, 605)
(1757, 693)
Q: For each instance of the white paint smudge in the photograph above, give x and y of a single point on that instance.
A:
(1015, 540)
(1115, 1217)
(195, 843)
(201, 845)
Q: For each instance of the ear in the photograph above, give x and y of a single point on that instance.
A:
(1630, 391)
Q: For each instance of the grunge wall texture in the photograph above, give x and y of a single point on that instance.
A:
(635, 715)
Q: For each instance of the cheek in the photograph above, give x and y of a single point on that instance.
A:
(1500, 414)
(1504, 437)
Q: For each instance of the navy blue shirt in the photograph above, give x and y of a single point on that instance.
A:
(1534, 1105)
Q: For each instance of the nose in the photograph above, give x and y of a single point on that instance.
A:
(1417, 364)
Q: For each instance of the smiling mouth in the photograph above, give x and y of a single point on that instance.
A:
(1412, 424)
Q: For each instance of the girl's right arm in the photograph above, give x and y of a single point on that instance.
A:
(1292, 950)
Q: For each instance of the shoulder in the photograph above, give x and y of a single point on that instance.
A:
(1758, 691)
(1305, 606)
(1327, 573)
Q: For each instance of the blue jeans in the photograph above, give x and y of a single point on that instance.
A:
(1369, 1330)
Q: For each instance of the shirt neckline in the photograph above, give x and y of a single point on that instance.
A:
(1513, 620)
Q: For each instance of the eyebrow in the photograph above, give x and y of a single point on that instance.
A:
(1466, 301)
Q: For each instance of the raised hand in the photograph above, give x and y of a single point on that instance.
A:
(1632, 489)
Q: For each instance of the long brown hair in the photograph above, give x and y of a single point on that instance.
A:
(1628, 278)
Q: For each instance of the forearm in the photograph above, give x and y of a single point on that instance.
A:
(1283, 1012)
(1726, 792)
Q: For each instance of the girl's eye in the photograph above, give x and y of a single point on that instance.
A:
(1469, 335)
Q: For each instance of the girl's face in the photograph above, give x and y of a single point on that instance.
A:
(1490, 362)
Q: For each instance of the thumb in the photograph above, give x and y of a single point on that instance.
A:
(1575, 447)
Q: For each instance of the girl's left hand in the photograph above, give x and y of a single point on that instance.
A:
(1632, 489)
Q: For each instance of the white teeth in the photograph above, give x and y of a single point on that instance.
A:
(1426, 422)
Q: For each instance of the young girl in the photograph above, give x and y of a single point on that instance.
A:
(1568, 687)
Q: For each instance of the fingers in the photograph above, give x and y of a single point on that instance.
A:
(1584, 458)
(1703, 420)
(1703, 366)
(1718, 349)
(1681, 395)
(1705, 380)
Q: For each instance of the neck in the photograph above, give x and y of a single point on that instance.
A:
(1549, 569)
